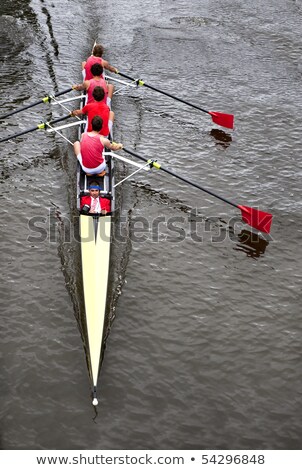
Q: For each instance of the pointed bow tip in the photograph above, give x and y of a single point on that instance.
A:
(95, 402)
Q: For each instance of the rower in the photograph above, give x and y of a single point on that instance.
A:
(97, 108)
(96, 80)
(93, 203)
(96, 58)
(89, 151)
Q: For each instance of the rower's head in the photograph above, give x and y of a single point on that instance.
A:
(98, 93)
(94, 189)
(98, 50)
(97, 123)
(97, 70)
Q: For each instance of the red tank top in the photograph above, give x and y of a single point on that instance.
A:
(96, 108)
(89, 63)
(91, 150)
(92, 84)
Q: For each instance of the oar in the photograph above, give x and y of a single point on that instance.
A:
(222, 119)
(42, 125)
(255, 218)
(46, 99)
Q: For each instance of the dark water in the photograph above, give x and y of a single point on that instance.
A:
(205, 347)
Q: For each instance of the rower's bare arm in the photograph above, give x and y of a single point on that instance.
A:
(81, 86)
(109, 67)
(112, 146)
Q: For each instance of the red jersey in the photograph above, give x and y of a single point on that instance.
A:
(91, 150)
(97, 108)
(89, 63)
(104, 202)
(92, 84)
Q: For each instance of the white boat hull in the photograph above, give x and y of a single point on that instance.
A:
(95, 233)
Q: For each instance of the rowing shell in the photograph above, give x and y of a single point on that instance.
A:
(95, 238)
(95, 234)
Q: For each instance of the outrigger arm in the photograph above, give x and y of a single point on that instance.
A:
(64, 107)
(57, 129)
(143, 167)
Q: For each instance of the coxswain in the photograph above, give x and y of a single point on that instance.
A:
(89, 151)
(94, 204)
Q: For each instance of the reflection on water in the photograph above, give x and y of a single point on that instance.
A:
(251, 244)
(223, 138)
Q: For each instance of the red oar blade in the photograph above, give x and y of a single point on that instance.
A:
(222, 119)
(257, 219)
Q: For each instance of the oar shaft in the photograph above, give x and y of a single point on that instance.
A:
(21, 109)
(38, 126)
(126, 76)
(198, 186)
(19, 134)
(46, 99)
(176, 98)
(257, 219)
(165, 93)
(185, 180)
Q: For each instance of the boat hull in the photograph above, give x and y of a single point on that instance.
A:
(95, 234)
(95, 237)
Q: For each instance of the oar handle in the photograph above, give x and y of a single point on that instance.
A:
(46, 99)
(42, 125)
(142, 83)
(185, 180)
